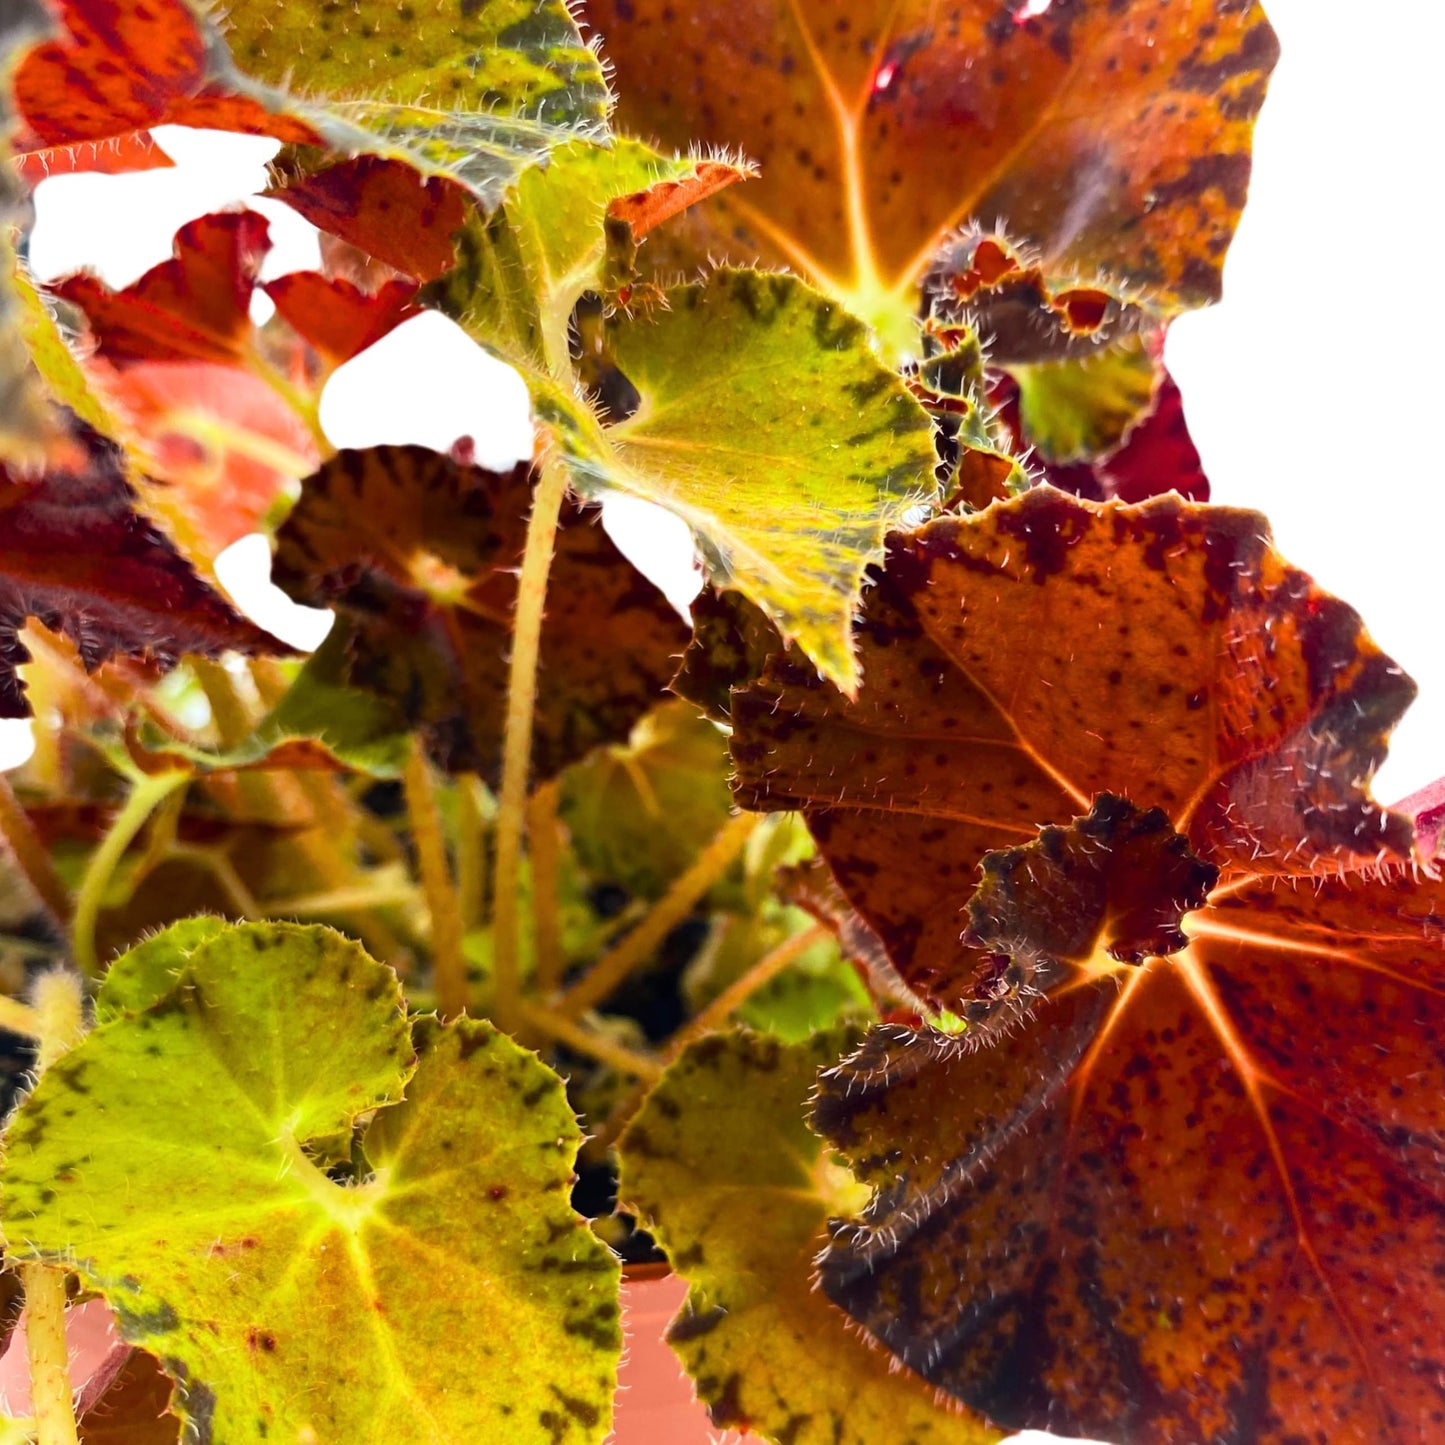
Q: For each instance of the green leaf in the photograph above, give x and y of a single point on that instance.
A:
(475, 90)
(319, 722)
(768, 425)
(640, 813)
(472, 89)
(452, 1295)
(152, 969)
(520, 273)
(1074, 410)
(725, 1172)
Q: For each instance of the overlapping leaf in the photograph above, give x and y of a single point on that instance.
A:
(520, 274)
(336, 316)
(1023, 660)
(474, 91)
(284, 1304)
(790, 454)
(420, 555)
(79, 559)
(193, 307)
(1162, 1186)
(1156, 455)
(640, 812)
(1115, 139)
(1200, 1194)
(721, 1166)
(384, 208)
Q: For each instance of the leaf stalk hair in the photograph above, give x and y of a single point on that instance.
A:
(517, 744)
(449, 964)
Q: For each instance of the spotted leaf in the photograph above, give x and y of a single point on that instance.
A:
(721, 1166)
(475, 90)
(1196, 1190)
(1022, 661)
(1112, 138)
(420, 554)
(284, 1304)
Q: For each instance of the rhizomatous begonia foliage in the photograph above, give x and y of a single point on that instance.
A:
(966, 951)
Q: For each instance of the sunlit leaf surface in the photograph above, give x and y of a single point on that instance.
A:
(287, 1305)
(1191, 1137)
(790, 455)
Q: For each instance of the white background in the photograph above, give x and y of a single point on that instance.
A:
(1313, 391)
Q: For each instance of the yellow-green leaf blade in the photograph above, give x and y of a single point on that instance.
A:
(451, 1296)
(768, 425)
(724, 1170)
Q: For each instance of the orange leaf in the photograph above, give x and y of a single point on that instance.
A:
(122, 67)
(219, 446)
(645, 210)
(1180, 1178)
(1021, 661)
(1199, 1197)
(336, 316)
(121, 154)
(1114, 138)
(194, 307)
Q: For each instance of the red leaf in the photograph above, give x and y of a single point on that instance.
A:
(385, 209)
(337, 317)
(1200, 1198)
(121, 154)
(194, 307)
(646, 210)
(81, 561)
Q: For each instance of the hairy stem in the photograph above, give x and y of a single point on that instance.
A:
(591, 1042)
(449, 964)
(20, 839)
(543, 849)
(639, 945)
(471, 851)
(57, 998)
(517, 747)
(49, 1355)
(147, 792)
